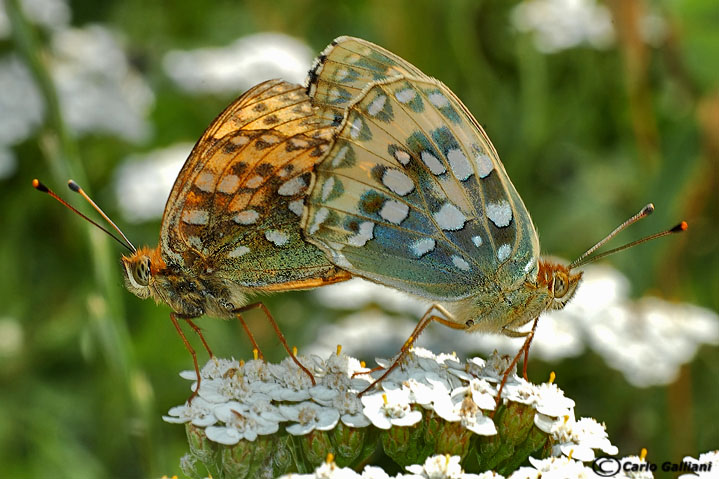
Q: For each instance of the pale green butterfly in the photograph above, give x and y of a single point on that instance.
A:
(412, 195)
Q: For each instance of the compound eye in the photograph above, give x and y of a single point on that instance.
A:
(560, 285)
(141, 272)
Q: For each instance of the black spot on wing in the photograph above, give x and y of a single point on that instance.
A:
(264, 169)
(239, 168)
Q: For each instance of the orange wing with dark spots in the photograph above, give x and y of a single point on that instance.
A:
(236, 205)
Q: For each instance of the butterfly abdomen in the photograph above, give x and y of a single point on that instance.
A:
(489, 314)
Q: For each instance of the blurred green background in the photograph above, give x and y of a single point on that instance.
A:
(593, 113)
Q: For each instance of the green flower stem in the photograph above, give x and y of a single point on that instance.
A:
(348, 442)
(62, 154)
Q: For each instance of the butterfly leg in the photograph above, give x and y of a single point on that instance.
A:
(407, 344)
(192, 352)
(277, 332)
(427, 318)
(198, 331)
(255, 346)
(524, 349)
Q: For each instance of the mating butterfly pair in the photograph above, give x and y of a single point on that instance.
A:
(410, 194)
(375, 170)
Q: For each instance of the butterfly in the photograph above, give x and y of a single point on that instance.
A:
(231, 225)
(412, 195)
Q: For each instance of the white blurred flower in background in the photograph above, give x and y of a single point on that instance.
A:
(371, 331)
(22, 109)
(650, 339)
(99, 91)
(653, 28)
(647, 340)
(12, 337)
(557, 25)
(47, 14)
(143, 182)
(561, 24)
(8, 163)
(366, 334)
(357, 293)
(242, 64)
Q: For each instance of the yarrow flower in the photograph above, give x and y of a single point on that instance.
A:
(462, 407)
(198, 413)
(427, 388)
(438, 467)
(560, 467)
(216, 368)
(308, 416)
(550, 401)
(579, 439)
(239, 423)
(630, 467)
(390, 408)
(492, 369)
(294, 382)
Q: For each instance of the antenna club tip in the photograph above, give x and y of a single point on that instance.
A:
(683, 226)
(39, 186)
(649, 209)
(73, 186)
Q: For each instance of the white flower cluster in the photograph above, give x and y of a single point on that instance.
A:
(435, 467)
(448, 467)
(239, 401)
(243, 400)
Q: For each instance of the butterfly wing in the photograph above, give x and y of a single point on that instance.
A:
(412, 195)
(234, 211)
(344, 69)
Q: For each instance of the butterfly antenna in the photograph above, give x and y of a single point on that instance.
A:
(76, 188)
(38, 185)
(676, 229)
(646, 211)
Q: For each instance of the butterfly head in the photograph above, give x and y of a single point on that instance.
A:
(558, 281)
(138, 271)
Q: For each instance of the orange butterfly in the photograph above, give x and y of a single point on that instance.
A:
(231, 225)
